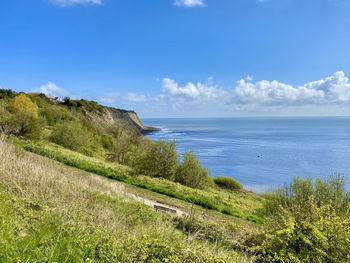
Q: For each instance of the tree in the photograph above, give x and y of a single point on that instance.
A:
(24, 119)
(23, 104)
(157, 159)
(191, 173)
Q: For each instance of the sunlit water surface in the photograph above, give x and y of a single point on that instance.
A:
(262, 152)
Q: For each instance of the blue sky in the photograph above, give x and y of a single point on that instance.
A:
(182, 58)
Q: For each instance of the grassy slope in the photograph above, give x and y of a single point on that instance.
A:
(240, 204)
(52, 213)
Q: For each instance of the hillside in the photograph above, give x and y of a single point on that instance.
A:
(79, 182)
(55, 109)
(51, 213)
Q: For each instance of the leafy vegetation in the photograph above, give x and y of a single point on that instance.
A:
(52, 213)
(192, 174)
(22, 103)
(86, 127)
(228, 183)
(205, 199)
(21, 118)
(7, 94)
(75, 136)
(309, 221)
(157, 159)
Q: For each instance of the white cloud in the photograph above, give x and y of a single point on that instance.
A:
(66, 3)
(333, 89)
(249, 78)
(336, 87)
(192, 92)
(328, 96)
(51, 89)
(189, 3)
(265, 92)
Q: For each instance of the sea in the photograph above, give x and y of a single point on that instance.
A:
(262, 153)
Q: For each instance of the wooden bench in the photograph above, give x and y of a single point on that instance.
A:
(164, 209)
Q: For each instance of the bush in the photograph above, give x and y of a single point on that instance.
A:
(25, 124)
(329, 191)
(74, 136)
(60, 113)
(7, 94)
(228, 183)
(191, 173)
(44, 109)
(24, 119)
(157, 159)
(22, 103)
(107, 141)
(309, 221)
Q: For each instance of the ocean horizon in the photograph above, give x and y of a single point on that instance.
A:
(262, 152)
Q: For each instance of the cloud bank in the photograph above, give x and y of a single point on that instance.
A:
(189, 3)
(67, 3)
(328, 96)
(331, 90)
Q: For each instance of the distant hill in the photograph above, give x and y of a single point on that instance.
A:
(50, 107)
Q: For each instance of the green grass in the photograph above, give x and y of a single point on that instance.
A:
(53, 213)
(242, 205)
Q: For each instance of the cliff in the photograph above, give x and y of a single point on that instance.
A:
(129, 117)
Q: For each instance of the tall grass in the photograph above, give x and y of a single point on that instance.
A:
(179, 192)
(52, 213)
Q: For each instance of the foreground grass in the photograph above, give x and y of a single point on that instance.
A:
(51, 213)
(240, 204)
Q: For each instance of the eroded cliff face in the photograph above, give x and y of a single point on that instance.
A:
(129, 117)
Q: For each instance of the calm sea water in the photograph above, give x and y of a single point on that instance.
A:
(263, 153)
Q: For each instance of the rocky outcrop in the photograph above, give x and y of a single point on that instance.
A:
(129, 117)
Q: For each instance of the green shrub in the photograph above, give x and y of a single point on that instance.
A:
(22, 124)
(21, 119)
(22, 103)
(201, 229)
(75, 136)
(309, 221)
(191, 173)
(7, 94)
(328, 191)
(107, 141)
(46, 113)
(228, 183)
(44, 108)
(157, 159)
(4, 116)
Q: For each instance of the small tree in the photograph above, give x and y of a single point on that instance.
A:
(24, 119)
(191, 173)
(23, 104)
(157, 159)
